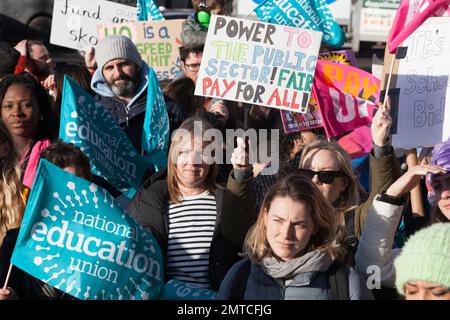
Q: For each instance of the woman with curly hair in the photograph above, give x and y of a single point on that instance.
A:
(26, 111)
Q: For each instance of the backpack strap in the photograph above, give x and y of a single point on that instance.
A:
(338, 277)
(240, 281)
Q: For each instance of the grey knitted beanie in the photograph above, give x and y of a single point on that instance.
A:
(116, 47)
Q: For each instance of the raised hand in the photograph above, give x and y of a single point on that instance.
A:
(239, 157)
(411, 178)
(221, 108)
(8, 294)
(381, 123)
(89, 58)
(22, 47)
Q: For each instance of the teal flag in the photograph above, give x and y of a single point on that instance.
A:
(178, 290)
(76, 238)
(89, 126)
(156, 134)
(306, 14)
(148, 11)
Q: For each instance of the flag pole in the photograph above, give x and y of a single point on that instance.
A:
(388, 81)
(248, 15)
(7, 276)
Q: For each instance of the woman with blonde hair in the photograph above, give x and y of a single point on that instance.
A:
(293, 250)
(184, 211)
(11, 201)
(329, 166)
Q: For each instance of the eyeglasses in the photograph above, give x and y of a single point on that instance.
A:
(193, 66)
(326, 177)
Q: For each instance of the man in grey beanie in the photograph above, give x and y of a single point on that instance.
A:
(121, 82)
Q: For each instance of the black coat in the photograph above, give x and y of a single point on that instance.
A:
(26, 286)
(150, 208)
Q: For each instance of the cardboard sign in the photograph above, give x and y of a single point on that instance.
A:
(156, 41)
(422, 77)
(376, 19)
(293, 121)
(74, 22)
(346, 57)
(76, 238)
(258, 63)
(313, 118)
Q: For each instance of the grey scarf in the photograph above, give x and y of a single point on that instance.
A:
(314, 261)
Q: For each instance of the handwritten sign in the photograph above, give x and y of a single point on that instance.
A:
(76, 238)
(74, 22)
(293, 121)
(423, 79)
(376, 19)
(258, 63)
(156, 41)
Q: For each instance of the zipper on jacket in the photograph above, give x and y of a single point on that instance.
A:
(127, 118)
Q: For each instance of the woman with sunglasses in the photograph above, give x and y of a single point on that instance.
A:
(329, 167)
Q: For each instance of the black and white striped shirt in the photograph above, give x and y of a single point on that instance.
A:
(191, 228)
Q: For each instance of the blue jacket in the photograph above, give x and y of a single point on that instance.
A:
(304, 286)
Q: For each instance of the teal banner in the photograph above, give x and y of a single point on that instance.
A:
(306, 14)
(155, 135)
(76, 238)
(89, 126)
(146, 10)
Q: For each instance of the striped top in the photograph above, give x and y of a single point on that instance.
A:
(191, 228)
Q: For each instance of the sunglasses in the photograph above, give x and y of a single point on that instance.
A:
(326, 177)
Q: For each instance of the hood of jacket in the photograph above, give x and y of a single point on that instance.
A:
(99, 85)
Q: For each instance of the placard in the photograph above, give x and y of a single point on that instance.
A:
(74, 22)
(258, 63)
(156, 41)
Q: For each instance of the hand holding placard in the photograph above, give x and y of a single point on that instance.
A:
(239, 157)
(381, 123)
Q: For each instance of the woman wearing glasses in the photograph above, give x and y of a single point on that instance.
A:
(329, 167)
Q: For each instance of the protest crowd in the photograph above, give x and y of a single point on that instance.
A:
(235, 159)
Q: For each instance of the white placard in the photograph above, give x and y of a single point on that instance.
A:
(258, 63)
(423, 79)
(74, 22)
